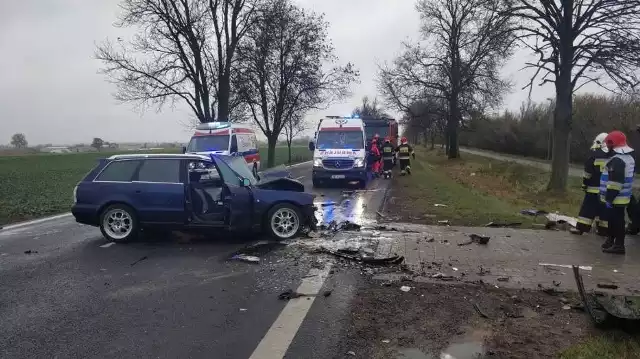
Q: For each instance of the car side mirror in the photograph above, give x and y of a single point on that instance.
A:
(246, 182)
(312, 146)
(184, 149)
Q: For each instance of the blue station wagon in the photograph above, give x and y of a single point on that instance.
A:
(127, 194)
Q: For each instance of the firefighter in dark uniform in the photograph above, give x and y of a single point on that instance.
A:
(591, 205)
(404, 156)
(616, 182)
(388, 152)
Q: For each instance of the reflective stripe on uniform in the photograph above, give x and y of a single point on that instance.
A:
(593, 189)
(614, 185)
(603, 224)
(586, 175)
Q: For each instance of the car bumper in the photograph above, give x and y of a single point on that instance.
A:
(85, 215)
(338, 175)
(310, 214)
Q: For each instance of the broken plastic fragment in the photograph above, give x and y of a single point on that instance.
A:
(405, 288)
(440, 205)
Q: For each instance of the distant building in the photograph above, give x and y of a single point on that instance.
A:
(55, 149)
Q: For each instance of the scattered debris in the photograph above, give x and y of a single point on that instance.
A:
(607, 286)
(243, 310)
(139, 260)
(454, 268)
(564, 266)
(246, 258)
(445, 222)
(440, 205)
(503, 279)
(560, 219)
(483, 271)
(352, 353)
(503, 225)
(327, 204)
(30, 252)
(431, 240)
(566, 307)
(476, 238)
(533, 212)
(479, 310)
(557, 284)
(290, 294)
(442, 276)
(327, 293)
(386, 341)
(405, 288)
(107, 245)
(396, 259)
(380, 214)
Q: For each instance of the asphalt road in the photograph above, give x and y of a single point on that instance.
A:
(76, 296)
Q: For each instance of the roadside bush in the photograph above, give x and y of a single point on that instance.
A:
(528, 132)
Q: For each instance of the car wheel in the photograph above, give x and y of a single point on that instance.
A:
(284, 221)
(118, 223)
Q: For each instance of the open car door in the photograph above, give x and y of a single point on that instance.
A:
(238, 197)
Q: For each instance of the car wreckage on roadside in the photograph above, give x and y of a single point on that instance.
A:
(125, 195)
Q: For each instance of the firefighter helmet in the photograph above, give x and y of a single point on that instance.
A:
(387, 139)
(598, 142)
(617, 141)
(403, 140)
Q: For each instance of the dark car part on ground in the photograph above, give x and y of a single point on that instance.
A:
(356, 256)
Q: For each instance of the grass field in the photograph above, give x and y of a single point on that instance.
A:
(32, 186)
(476, 190)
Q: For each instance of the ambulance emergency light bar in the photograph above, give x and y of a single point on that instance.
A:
(348, 117)
(213, 126)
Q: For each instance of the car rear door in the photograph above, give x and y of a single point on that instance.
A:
(160, 190)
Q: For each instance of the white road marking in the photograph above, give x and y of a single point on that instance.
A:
(564, 266)
(107, 245)
(36, 221)
(275, 343)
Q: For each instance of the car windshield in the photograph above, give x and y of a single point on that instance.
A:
(208, 143)
(339, 140)
(371, 131)
(239, 166)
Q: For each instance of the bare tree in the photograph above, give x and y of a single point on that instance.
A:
(286, 68)
(294, 126)
(464, 45)
(369, 108)
(184, 51)
(97, 143)
(578, 42)
(19, 140)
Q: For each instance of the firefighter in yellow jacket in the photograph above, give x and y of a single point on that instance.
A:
(616, 183)
(404, 156)
(592, 208)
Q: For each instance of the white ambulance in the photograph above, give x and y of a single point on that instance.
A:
(226, 138)
(339, 151)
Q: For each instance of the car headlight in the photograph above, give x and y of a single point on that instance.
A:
(359, 162)
(317, 162)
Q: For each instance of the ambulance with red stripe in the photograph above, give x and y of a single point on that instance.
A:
(339, 153)
(226, 138)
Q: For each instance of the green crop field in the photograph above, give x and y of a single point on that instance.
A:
(32, 186)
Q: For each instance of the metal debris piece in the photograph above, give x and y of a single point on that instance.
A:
(139, 260)
(503, 225)
(246, 258)
(445, 222)
(430, 240)
(533, 212)
(564, 266)
(479, 310)
(366, 260)
(30, 252)
(607, 286)
(440, 205)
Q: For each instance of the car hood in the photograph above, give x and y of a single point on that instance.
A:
(282, 190)
(280, 184)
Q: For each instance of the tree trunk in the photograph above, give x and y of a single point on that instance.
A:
(223, 98)
(272, 141)
(289, 149)
(433, 139)
(452, 128)
(564, 105)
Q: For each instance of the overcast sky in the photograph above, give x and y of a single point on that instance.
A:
(50, 89)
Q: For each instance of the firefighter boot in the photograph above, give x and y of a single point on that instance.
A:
(608, 243)
(615, 249)
(408, 170)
